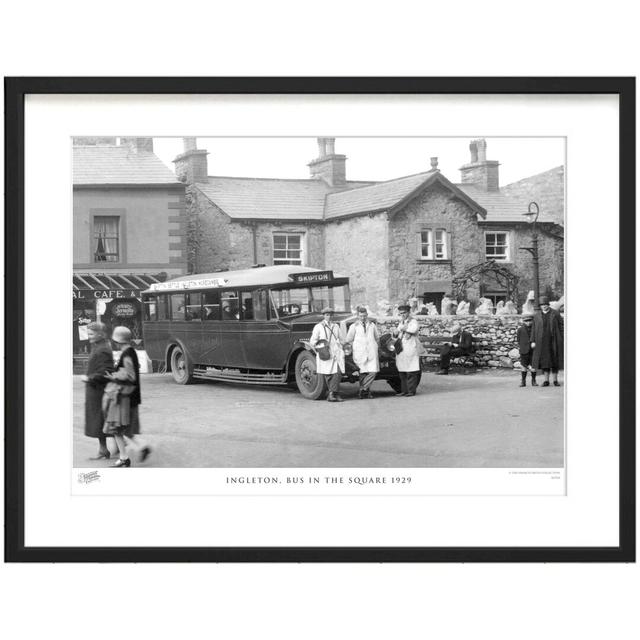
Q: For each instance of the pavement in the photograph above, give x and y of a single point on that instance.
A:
(473, 420)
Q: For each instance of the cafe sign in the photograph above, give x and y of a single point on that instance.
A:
(100, 294)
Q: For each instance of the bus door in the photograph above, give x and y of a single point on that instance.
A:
(185, 315)
(230, 331)
(263, 338)
(212, 351)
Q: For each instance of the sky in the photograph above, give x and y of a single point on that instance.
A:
(368, 158)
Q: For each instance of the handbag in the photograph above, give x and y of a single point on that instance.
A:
(323, 350)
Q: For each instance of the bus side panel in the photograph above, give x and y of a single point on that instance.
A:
(156, 336)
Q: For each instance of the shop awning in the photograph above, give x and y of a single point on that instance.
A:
(433, 286)
(129, 282)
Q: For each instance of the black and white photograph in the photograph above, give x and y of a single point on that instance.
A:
(301, 323)
(318, 303)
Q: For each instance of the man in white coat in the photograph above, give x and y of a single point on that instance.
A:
(328, 334)
(363, 335)
(408, 360)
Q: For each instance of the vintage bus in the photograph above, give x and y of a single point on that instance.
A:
(250, 326)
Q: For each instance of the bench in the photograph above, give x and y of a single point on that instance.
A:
(435, 344)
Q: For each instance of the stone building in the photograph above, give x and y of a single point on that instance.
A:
(129, 230)
(413, 236)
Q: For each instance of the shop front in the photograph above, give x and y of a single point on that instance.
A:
(114, 300)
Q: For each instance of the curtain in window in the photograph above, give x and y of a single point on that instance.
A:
(105, 233)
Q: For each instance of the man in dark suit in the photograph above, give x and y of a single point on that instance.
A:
(461, 344)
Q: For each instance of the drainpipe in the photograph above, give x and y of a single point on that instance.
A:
(255, 242)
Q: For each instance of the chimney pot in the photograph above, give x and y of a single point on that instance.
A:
(329, 166)
(434, 163)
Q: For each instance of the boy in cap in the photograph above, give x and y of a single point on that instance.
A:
(524, 336)
(333, 368)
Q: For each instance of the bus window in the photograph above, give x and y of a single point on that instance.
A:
(194, 311)
(162, 307)
(211, 305)
(151, 309)
(230, 309)
(254, 305)
(177, 306)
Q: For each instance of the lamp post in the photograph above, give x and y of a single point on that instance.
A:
(532, 214)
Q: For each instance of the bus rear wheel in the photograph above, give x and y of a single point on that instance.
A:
(310, 384)
(180, 367)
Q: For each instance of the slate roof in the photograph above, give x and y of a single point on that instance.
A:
(387, 195)
(500, 207)
(308, 199)
(118, 165)
(267, 198)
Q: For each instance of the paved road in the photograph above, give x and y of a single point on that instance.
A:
(475, 420)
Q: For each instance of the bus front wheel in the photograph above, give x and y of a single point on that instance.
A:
(180, 367)
(310, 384)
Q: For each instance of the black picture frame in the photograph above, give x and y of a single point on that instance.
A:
(15, 91)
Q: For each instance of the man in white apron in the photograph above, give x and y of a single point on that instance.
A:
(363, 335)
(408, 360)
(332, 368)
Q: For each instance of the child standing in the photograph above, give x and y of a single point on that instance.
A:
(524, 336)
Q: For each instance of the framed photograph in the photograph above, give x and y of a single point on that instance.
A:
(320, 319)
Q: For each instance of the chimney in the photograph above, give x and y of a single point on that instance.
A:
(480, 171)
(138, 145)
(329, 166)
(191, 164)
(434, 164)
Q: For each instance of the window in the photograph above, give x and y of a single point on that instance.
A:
(177, 306)
(434, 244)
(426, 245)
(162, 307)
(288, 248)
(230, 307)
(106, 239)
(194, 311)
(254, 305)
(211, 305)
(497, 245)
(150, 309)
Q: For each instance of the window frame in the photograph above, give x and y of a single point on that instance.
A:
(508, 245)
(284, 261)
(432, 231)
(96, 217)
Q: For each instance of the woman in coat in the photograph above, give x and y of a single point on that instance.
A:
(100, 364)
(332, 368)
(548, 342)
(408, 360)
(363, 335)
(121, 400)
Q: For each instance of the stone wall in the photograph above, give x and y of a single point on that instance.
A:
(358, 248)
(218, 242)
(497, 349)
(551, 253)
(436, 207)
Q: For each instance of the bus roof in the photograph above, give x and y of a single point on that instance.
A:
(255, 277)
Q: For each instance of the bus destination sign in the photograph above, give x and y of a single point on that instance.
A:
(312, 277)
(188, 284)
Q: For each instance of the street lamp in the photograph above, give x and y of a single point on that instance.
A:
(532, 214)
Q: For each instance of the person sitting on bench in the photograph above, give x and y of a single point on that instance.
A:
(461, 345)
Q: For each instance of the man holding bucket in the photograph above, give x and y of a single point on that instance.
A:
(327, 342)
